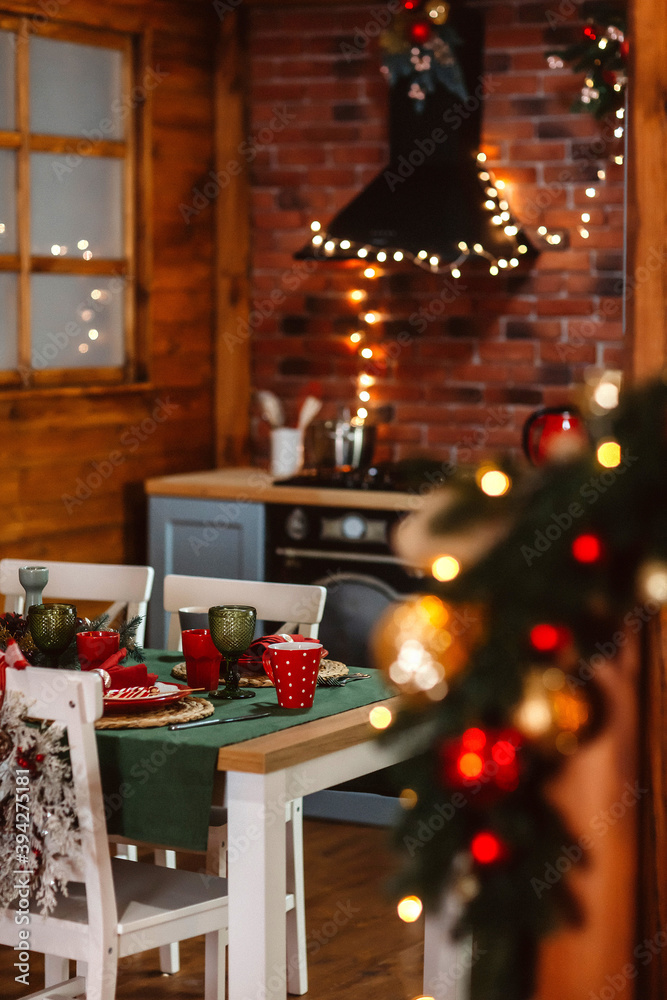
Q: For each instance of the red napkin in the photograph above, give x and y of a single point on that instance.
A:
(250, 662)
(132, 675)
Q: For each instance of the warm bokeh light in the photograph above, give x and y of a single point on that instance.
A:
(364, 396)
(365, 379)
(370, 272)
(362, 412)
(408, 798)
(355, 337)
(609, 454)
(410, 909)
(470, 765)
(315, 226)
(494, 483)
(357, 295)
(544, 637)
(371, 317)
(366, 352)
(380, 717)
(445, 568)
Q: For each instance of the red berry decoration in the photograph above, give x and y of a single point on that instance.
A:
(482, 761)
(486, 848)
(587, 548)
(420, 32)
(547, 638)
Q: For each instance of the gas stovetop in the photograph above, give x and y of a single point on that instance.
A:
(407, 476)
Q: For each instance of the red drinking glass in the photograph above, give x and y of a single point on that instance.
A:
(202, 659)
(96, 647)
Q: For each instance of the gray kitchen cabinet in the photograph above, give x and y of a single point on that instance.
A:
(201, 538)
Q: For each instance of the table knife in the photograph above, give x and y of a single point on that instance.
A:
(215, 722)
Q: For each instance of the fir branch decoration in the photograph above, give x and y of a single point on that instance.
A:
(582, 553)
(602, 54)
(39, 835)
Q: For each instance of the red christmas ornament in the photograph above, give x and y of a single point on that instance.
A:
(484, 762)
(624, 48)
(419, 32)
(590, 33)
(587, 548)
(486, 848)
(547, 638)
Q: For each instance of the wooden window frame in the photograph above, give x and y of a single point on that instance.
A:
(23, 263)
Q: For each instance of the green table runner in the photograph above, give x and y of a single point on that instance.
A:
(158, 785)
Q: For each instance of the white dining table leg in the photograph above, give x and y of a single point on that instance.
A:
(257, 886)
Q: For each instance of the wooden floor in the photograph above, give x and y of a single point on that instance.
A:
(358, 948)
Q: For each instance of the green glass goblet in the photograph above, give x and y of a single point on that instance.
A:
(52, 627)
(232, 628)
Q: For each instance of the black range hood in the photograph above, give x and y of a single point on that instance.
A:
(434, 202)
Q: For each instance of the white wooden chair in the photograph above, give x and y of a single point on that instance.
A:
(115, 907)
(72, 581)
(300, 607)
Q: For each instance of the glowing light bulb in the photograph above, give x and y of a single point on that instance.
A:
(329, 246)
(478, 248)
(590, 192)
(423, 254)
(371, 317)
(366, 352)
(619, 159)
(584, 233)
(398, 255)
(380, 717)
(494, 483)
(317, 241)
(496, 220)
(585, 217)
(502, 262)
(514, 262)
(484, 175)
(618, 132)
(456, 273)
(93, 334)
(523, 248)
(365, 379)
(490, 205)
(315, 226)
(362, 412)
(382, 256)
(511, 230)
(345, 244)
(370, 272)
(357, 295)
(410, 909)
(493, 269)
(481, 157)
(82, 244)
(609, 454)
(434, 261)
(362, 252)
(96, 294)
(55, 249)
(463, 246)
(445, 568)
(364, 396)
(501, 185)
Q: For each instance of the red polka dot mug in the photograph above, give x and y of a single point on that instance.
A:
(293, 668)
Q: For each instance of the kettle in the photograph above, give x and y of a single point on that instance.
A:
(552, 429)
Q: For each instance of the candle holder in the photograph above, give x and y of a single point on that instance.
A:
(33, 579)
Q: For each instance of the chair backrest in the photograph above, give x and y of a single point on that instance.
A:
(71, 581)
(300, 606)
(74, 700)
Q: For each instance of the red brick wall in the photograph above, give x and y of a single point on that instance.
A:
(459, 377)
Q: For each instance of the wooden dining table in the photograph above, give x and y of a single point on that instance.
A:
(263, 773)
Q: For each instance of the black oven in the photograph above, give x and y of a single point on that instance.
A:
(348, 551)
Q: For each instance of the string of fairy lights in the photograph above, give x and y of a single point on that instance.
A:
(370, 351)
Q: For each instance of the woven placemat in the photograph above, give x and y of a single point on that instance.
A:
(184, 710)
(328, 668)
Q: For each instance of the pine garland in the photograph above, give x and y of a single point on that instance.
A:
(584, 551)
(602, 54)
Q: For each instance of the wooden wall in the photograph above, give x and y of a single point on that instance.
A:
(95, 446)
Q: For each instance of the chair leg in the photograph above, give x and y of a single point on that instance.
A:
(56, 970)
(170, 958)
(214, 965)
(101, 974)
(297, 956)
